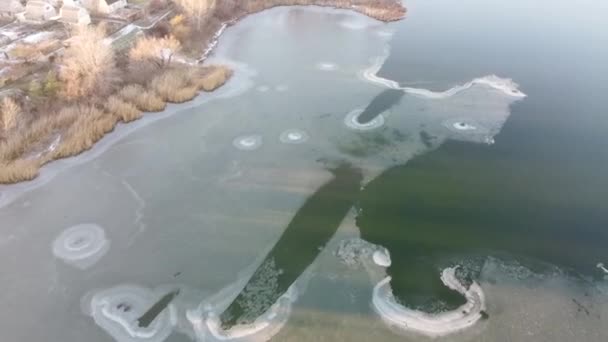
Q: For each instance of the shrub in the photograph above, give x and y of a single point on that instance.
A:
(144, 100)
(51, 84)
(174, 86)
(214, 78)
(124, 111)
(179, 27)
(34, 88)
(157, 51)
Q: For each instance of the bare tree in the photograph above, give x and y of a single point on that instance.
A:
(88, 65)
(196, 8)
(158, 51)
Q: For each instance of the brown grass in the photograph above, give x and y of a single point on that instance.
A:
(213, 78)
(18, 171)
(143, 99)
(90, 126)
(35, 136)
(9, 113)
(174, 86)
(125, 111)
(81, 126)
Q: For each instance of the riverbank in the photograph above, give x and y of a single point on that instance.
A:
(76, 127)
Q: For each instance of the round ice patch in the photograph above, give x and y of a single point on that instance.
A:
(293, 136)
(247, 142)
(81, 245)
(352, 121)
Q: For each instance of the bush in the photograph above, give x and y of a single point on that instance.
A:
(158, 51)
(124, 111)
(174, 86)
(144, 100)
(214, 78)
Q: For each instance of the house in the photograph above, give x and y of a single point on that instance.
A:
(39, 10)
(104, 6)
(8, 8)
(74, 15)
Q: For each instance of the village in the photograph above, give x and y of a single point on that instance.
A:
(36, 31)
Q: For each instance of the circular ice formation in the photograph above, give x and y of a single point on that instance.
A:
(352, 121)
(81, 245)
(293, 136)
(247, 142)
(432, 325)
(382, 258)
(327, 66)
(117, 310)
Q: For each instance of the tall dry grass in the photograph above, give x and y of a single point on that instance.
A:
(125, 111)
(90, 126)
(174, 86)
(80, 126)
(19, 171)
(35, 136)
(144, 100)
(18, 160)
(9, 113)
(212, 78)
